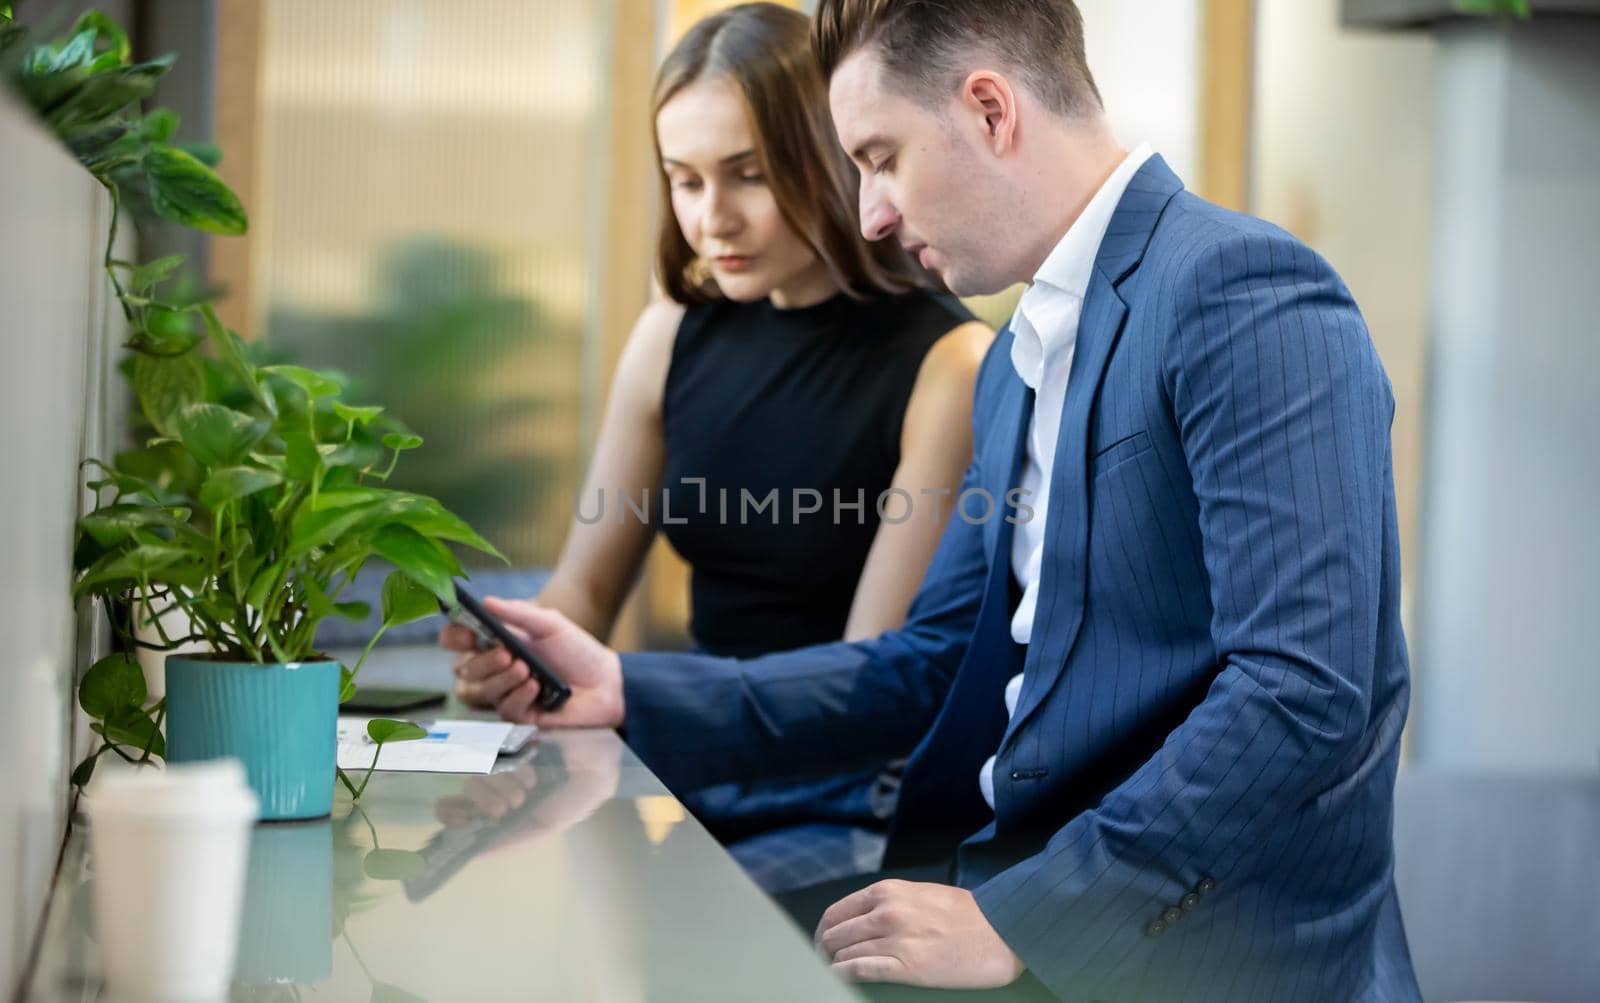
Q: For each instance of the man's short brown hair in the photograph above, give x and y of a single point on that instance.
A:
(926, 45)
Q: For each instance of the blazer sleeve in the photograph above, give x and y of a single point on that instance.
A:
(697, 720)
(1283, 411)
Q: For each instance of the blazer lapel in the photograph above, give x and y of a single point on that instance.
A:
(1008, 441)
(1063, 587)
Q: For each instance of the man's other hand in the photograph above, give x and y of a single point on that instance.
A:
(920, 934)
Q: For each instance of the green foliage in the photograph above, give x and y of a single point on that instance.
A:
(1521, 9)
(258, 494)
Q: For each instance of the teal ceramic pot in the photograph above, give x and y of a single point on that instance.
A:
(280, 720)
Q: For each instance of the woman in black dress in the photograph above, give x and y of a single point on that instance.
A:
(794, 417)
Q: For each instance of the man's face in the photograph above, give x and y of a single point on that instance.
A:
(926, 178)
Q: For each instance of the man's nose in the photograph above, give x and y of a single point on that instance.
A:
(878, 217)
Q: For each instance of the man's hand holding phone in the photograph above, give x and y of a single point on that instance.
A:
(494, 678)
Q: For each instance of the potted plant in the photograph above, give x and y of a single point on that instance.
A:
(257, 493)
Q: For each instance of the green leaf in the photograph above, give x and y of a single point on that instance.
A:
(316, 385)
(312, 530)
(405, 601)
(301, 455)
(425, 561)
(161, 470)
(85, 770)
(167, 385)
(347, 684)
(231, 350)
(346, 497)
(393, 865)
(272, 461)
(230, 483)
(347, 455)
(78, 51)
(108, 31)
(113, 683)
(397, 440)
(186, 191)
(133, 726)
(111, 525)
(261, 586)
(168, 330)
(353, 610)
(317, 603)
(360, 415)
(146, 560)
(105, 94)
(382, 730)
(218, 436)
(153, 273)
(428, 517)
(160, 125)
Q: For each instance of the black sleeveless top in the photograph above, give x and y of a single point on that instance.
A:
(783, 414)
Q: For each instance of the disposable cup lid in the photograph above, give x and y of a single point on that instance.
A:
(215, 789)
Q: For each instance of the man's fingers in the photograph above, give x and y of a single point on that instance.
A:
(470, 694)
(872, 969)
(517, 705)
(858, 929)
(855, 904)
(533, 622)
(878, 947)
(494, 688)
(455, 637)
(484, 666)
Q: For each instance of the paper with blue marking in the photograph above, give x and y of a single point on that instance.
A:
(451, 747)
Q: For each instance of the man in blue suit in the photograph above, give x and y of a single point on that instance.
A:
(1156, 726)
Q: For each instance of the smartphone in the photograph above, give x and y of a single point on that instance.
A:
(470, 613)
(382, 700)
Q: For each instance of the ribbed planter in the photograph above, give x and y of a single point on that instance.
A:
(280, 720)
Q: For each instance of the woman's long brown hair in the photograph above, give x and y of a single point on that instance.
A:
(764, 50)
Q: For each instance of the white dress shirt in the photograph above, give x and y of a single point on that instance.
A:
(1044, 338)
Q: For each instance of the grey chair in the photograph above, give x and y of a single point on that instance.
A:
(1499, 879)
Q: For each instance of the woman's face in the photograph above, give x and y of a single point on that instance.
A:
(723, 205)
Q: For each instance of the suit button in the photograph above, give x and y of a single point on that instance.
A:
(1155, 929)
(1188, 902)
(1206, 886)
(1171, 916)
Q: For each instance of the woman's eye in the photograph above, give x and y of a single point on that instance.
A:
(753, 179)
(685, 185)
(883, 165)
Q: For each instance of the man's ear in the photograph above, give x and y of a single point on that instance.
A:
(989, 96)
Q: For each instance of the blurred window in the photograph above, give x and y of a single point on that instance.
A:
(433, 205)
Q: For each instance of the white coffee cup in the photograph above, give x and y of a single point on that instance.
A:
(168, 850)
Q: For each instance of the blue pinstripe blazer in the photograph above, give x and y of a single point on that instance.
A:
(1194, 797)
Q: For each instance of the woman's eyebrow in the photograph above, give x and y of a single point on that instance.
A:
(731, 158)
